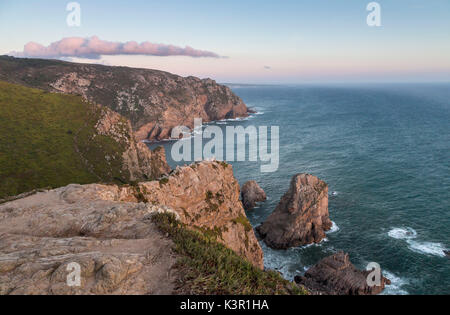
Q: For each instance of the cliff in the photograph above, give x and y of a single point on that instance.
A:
(154, 101)
(206, 197)
(52, 140)
(158, 237)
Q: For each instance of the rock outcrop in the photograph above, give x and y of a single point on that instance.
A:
(138, 161)
(301, 217)
(206, 196)
(154, 101)
(107, 230)
(336, 275)
(115, 244)
(251, 193)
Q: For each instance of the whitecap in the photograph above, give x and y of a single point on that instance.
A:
(334, 228)
(395, 288)
(427, 248)
(402, 233)
(420, 247)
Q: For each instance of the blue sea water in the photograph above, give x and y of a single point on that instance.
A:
(384, 150)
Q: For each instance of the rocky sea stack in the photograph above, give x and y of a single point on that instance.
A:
(336, 275)
(301, 217)
(251, 193)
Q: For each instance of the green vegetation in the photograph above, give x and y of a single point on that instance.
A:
(163, 181)
(244, 222)
(212, 207)
(209, 195)
(208, 267)
(49, 140)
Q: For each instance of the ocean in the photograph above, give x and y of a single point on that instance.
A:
(384, 150)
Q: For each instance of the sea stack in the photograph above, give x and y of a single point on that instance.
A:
(336, 275)
(301, 217)
(251, 193)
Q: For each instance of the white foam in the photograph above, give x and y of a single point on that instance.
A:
(395, 288)
(427, 248)
(403, 233)
(334, 228)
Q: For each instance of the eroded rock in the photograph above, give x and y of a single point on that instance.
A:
(251, 193)
(301, 217)
(336, 275)
(138, 161)
(118, 248)
(107, 230)
(206, 196)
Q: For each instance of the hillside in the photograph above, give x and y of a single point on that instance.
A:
(154, 101)
(52, 140)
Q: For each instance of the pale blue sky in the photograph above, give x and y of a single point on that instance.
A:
(299, 40)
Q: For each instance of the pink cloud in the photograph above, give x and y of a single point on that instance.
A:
(94, 48)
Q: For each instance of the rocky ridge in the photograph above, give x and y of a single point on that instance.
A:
(154, 101)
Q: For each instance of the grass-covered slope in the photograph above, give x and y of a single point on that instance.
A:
(207, 267)
(50, 140)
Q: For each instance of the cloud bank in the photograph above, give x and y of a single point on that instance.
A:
(94, 48)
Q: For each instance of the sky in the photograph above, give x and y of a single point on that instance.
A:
(245, 41)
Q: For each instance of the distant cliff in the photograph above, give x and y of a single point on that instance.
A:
(154, 101)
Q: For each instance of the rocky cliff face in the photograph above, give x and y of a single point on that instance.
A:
(138, 161)
(301, 217)
(107, 229)
(336, 275)
(154, 101)
(206, 197)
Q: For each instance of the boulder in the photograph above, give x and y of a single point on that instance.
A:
(301, 217)
(251, 193)
(336, 275)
